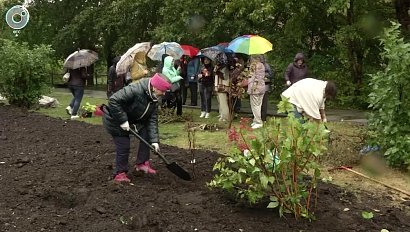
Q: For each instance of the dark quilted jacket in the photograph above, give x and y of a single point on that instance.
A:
(134, 103)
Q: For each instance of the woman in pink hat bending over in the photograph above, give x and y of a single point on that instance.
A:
(135, 104)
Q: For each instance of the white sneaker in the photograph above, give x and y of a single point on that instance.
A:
(74, 117)
(69, 110)
(253, 124)
(202, 114)
(257, 125)
(207, 115)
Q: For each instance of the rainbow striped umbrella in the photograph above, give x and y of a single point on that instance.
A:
(250, 45)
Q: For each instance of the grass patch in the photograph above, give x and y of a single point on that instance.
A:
(173, 133)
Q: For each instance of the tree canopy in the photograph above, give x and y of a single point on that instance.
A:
(338, 37)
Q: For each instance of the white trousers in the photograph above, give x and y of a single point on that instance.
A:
(256, 105)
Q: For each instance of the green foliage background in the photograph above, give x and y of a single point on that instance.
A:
(338, 36)
(390, 99)
(24, 72)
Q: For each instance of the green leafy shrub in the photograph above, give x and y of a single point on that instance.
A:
(24, 72)
(278, 161)
(390, 100)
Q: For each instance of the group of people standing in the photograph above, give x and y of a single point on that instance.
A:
(228, 76)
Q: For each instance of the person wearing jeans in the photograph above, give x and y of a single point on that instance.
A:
(192, 73)
(135, 104)
(76, 84)
(206, 85)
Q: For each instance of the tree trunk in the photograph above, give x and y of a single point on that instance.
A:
(355, 55)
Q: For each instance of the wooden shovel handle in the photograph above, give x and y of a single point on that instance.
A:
(377, 181)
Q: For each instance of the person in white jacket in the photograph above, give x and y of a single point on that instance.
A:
(308, 97)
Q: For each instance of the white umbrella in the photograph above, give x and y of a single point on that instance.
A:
(80, 58)
(171, 48)
(127, 59)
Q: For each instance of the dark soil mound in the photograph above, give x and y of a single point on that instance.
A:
(55, 176)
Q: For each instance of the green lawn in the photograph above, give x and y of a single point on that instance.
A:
(173, 133)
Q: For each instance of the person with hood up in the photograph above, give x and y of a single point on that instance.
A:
(135, 104)
(172, 73)
(139, 67)
(297, 70)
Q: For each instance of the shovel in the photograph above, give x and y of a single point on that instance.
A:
(173, 167)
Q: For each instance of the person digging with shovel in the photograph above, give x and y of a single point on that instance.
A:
(135, 104)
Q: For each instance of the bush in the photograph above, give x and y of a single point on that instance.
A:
(23, 73)
(278, 161)
(390, 100)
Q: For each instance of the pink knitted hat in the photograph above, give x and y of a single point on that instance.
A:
(159, 82)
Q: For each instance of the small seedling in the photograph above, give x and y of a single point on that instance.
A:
(367, 215)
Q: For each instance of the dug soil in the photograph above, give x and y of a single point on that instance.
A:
(55, 175)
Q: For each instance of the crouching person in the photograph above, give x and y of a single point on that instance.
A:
(135, 104)
(308, 97)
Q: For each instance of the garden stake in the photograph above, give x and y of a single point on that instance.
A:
(191, 140)
(173, 167)
(368, 177)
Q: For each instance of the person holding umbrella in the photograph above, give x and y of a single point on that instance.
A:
(135, 104)
(256, 89)
(76, 64)
(76, 84)
(206, 84)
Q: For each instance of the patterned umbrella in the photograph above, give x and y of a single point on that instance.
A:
(80, 58)
(211, 52)
(127, 59)
(171, 48)
(250, 45)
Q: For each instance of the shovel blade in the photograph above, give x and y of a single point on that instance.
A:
(179, 171)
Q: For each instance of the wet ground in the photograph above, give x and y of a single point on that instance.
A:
(55, 176)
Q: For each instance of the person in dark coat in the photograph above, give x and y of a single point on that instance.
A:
(161, 64)
(76, 84)
(184, 82)
(192, 76)
(113, 83)
(206, 85)
(135, 104)
(297, 70)
(268, 88)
